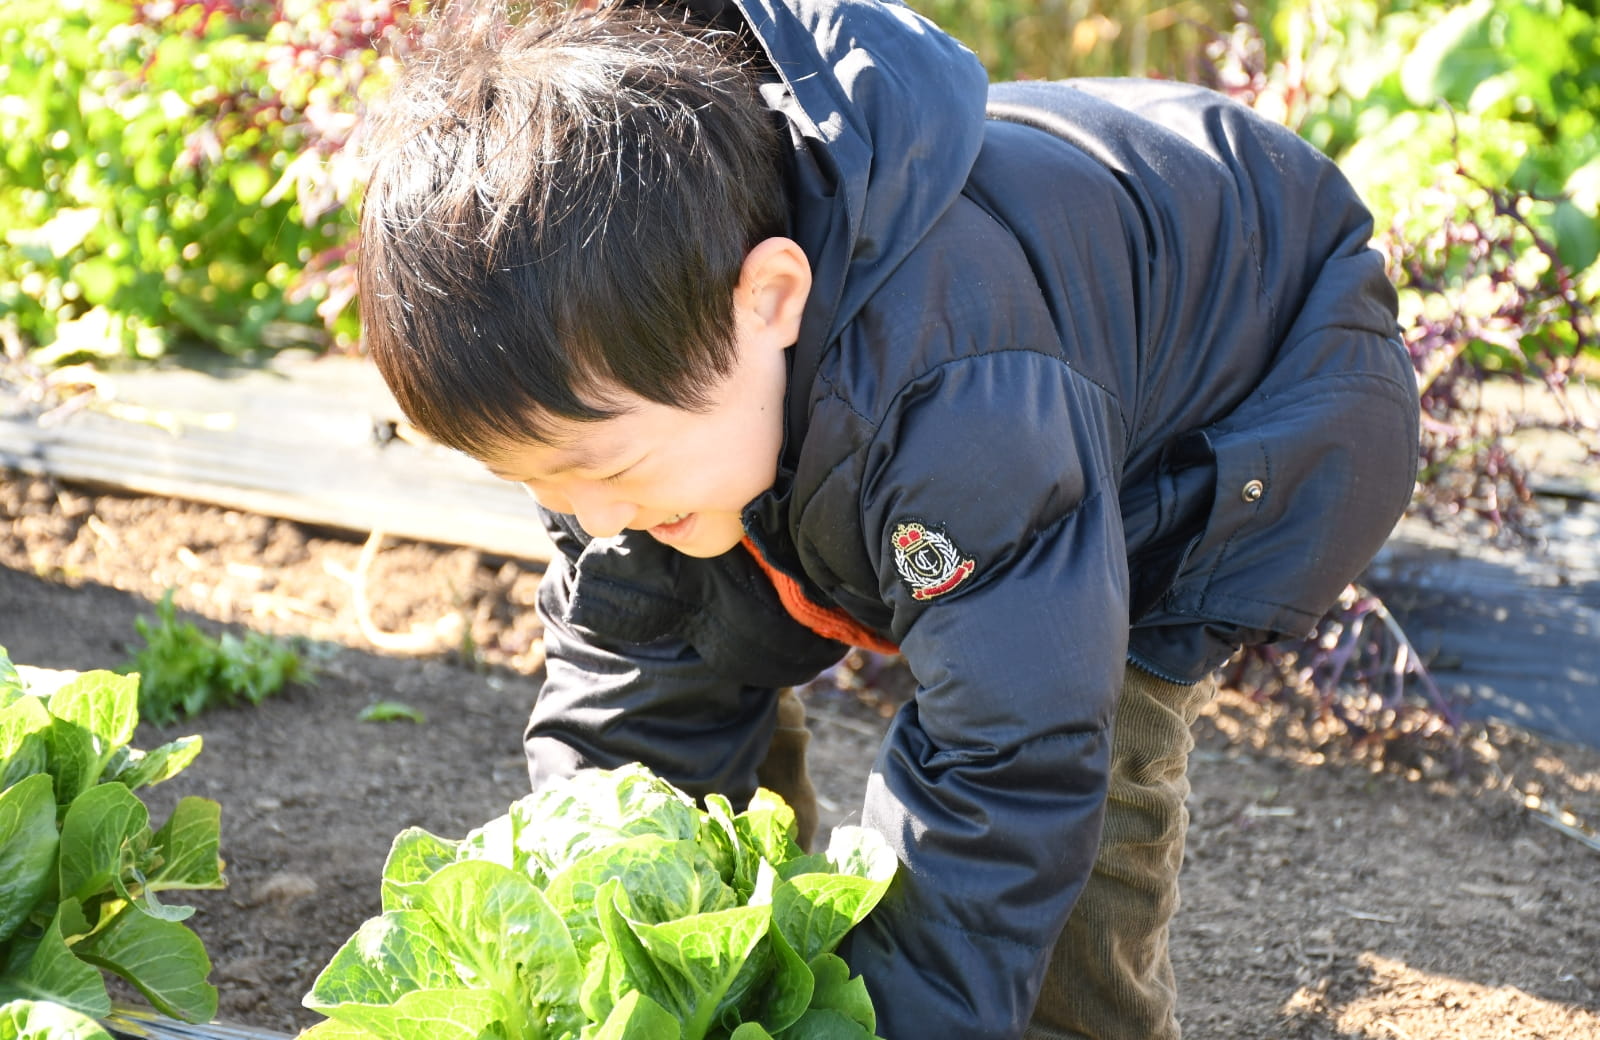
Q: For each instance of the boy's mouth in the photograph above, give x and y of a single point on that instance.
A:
(673, 525)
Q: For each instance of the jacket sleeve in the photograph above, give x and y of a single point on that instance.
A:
(991, 783)
(652, 657)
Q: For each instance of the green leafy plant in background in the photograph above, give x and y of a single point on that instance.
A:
(183, 671)
(1509, 93)
(82, 873)
(609, 906)
(175, 172)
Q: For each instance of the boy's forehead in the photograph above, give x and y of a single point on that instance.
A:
(550, 459)
(559, 446)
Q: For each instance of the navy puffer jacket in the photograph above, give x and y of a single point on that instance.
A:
(1091, 372)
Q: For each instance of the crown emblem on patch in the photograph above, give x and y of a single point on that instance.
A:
(928, 561)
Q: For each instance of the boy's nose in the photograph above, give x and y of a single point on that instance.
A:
(600, 516)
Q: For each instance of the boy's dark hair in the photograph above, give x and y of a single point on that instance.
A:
(558, 210)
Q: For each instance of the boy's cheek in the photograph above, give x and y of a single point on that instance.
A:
(550, 500)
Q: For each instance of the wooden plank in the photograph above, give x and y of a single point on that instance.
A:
(296, 438)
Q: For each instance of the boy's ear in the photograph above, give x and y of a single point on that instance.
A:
(771, 295)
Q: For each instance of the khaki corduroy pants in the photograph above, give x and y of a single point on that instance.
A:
(784, 769)
(1110, 977)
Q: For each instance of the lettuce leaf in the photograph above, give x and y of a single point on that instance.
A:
(81, 870)
(610, 905)
(43, 1020)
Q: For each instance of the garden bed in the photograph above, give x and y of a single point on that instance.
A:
(1325, 896)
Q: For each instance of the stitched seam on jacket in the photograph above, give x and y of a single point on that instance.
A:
(836, 394)
(876, 428)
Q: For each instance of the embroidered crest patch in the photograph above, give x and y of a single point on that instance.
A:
(928, 560)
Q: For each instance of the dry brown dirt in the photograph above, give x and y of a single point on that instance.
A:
(1328, 893)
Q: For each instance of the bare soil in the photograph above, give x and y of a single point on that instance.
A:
(1330, 891)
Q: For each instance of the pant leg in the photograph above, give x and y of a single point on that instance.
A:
(784, 769)
(1110, 977)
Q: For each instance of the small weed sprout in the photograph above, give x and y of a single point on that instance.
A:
(183, 671)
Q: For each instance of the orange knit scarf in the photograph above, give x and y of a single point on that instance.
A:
(828, 622)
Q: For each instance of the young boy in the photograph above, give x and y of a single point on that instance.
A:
(803, 336)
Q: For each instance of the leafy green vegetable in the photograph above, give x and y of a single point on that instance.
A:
(609, 906)
(82, 871)
(183, 671)
(42, 1020)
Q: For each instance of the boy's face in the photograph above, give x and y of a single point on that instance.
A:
(682, 477)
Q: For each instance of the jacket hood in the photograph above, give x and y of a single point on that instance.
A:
(886, 112)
